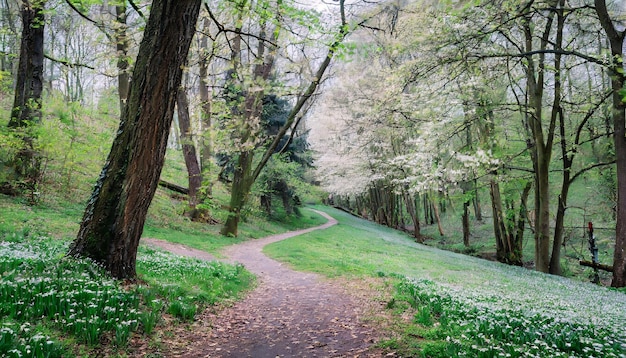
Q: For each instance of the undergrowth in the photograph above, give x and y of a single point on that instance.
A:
(445, 324)
(52, 306)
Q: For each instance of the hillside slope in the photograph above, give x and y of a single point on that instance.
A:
(473, 305)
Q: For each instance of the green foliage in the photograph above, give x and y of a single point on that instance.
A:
(6, 81)
(191, 281)
(10, 145)
(478, 330)
(75, 297)
(622, 93)
(183, 310)
(74, 301)
(74, 145)
(70, 146)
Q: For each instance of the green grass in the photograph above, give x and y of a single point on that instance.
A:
(586, 203)
(461, 305)
(359, 247)
(54, 307)
(198, 281)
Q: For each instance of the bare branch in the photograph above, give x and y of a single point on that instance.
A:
(68, 63)
(80, 13)
(134, 6)
(236, 31)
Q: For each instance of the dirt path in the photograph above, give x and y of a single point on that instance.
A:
(289, 314)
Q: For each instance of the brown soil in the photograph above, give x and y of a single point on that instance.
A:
(289, 314)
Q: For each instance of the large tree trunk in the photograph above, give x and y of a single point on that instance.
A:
(509, 232)
(114, 218)
(618, 80)
(557, 114)
(29, 86)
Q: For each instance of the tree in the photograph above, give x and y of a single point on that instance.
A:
(245, 173)
(9, 44)
(189, 153)
(113, 221)
(618, 81)
(29, 85)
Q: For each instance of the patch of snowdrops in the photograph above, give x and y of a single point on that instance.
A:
(45, 296)
(540, 317)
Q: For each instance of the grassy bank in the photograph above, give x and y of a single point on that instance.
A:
(447, 304)
(54, 307)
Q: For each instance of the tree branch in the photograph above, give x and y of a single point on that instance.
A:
(237, 31)
(68, 63)
(343, 32)
(80, 13)
(134, 6)
(586, 169)
(543, 52)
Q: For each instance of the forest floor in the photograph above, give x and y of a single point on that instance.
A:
(288, 314)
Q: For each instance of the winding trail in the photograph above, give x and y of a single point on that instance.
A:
(289, 314)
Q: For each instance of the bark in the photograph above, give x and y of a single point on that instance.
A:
(429, 217)
(189, 149)
(478, 212)
(173, 187)
(516, 254)
(239, 192)
(541, 142)
(122, 45)
(206, 151)
(466, 224)
(567, 160)
(499, 225)
(465, 217)
(439, 226)
(557, 114)
(509, 232)
(26, 109)
(113, 221)
(411, 208)
(618, 80)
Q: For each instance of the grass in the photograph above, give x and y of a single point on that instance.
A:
(54, 307)
(586, 203)
(464, 306)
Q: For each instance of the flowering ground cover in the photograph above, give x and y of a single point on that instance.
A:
(51, 306)
(448, 304)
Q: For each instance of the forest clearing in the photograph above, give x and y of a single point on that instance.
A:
(264, 178)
